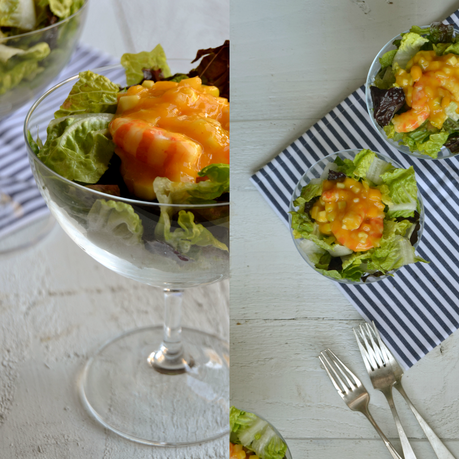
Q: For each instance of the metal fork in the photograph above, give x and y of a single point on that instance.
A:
(381, 375)
(389, 360)
(352, 391)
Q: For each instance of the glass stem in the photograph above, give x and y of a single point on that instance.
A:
(170, 357)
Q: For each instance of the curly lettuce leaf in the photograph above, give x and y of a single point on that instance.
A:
(17, 13)
(117, 220)
(92, 93)
(76, 147)
(256, 435)
(135, 63)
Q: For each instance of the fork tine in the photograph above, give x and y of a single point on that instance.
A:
(374, 348)
(387, 356)
(344, 369)
(368, 347)
(363, 351)
(327, 365)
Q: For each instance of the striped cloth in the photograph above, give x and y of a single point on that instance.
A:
(419, 308)
(17, 185)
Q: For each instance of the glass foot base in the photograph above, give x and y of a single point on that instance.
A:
(128, 396)
(23, 237)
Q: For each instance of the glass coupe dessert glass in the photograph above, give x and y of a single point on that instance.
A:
(23, 79)
(158, 385)
(317, 171)
(374, 70)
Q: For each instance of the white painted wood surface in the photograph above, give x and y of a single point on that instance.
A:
(57, 305)
(291, 63)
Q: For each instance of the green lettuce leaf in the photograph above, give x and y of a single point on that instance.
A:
(310, 191)
(77, 148)
(190, 233)
(115, 219)
(17, 13)
(135, 63)
(256, 435)
(387, 58)
(92, 93)
(394, 252)
(362, 162)
(411, 43)
(345, 165)
(37, 52)
(400, 192)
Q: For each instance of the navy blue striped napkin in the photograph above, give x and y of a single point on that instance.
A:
(16, 179)
(418, 308)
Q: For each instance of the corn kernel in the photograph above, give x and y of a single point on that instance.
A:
(322, 217)
(416, 72)
(148, 84)
(356, 199)
(341, 205)
(128, 102)
(340, 185)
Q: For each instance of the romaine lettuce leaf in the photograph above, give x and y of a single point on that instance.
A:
(205, 191)
(387, 58)
(77, 148)
(115, 219)
(394, 252)
(256, 435)
(36, 52)
(190, 233)
(411, 43)
(92, 93)
(362, 162)
(12, 75)
(17, 13)
(135, 63)
(400, 192)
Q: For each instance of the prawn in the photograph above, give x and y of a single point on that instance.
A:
(420, 111)
(169, 154)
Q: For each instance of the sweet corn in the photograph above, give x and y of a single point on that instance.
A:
(148, 84)
(340, 185)
(127, 102)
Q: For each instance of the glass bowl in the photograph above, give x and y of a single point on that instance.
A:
(30, 76)
(146, 384)
(75, 207)
(316, 171)
(374, 69)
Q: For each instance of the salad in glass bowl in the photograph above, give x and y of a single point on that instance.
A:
(357, 216)
(412, 92)
(37, 38)
(252, 437)
(139, 175)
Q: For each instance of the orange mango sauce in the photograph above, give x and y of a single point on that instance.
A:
(238, 452)
(169, 129)
(352, 212)
(430, 84)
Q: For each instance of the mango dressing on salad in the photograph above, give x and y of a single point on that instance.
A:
(352, 212)
(430, 84)
(169, 129)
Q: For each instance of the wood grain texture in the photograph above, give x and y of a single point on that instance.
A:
(57, 305)
(292, 62)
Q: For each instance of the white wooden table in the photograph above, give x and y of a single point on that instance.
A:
(291, 63)
(57, 305)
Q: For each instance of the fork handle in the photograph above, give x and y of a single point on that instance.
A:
(388, 444)
(408, 452)
(440, 449)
